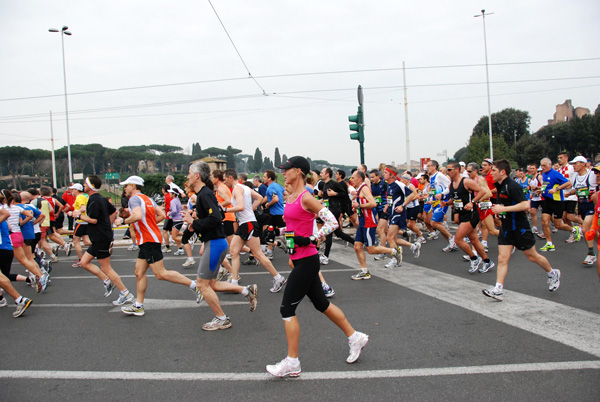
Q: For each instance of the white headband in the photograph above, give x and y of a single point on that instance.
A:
(87, 181)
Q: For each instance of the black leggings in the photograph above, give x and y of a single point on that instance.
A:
(6, 259)
(303, 281)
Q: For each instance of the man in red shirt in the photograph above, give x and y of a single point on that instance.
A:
(486, 172)
(168, 223)
(69, 200)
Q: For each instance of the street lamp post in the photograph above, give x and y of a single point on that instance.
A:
(64, 31)
(487, 80)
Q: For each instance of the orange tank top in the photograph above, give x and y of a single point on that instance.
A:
(229, 216)
(146, 229)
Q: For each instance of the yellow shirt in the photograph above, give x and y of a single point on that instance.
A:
(82, 199)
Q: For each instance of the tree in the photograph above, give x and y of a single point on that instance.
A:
(268, 164)
(258, 161)
(531, 150)
(13, 160)
(479, 148)
(462, 154)
(196, 149)
(37, 157)
(249, 164)
(509, 123)
(277, 160)
(284, 158)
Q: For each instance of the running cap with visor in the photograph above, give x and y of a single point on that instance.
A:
(76, 186)
(578, 159)
(297, 162)
(137, 180)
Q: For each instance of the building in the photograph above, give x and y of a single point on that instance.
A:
(214, 163)
(566, 111)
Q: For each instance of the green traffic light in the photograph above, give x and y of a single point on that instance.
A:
(355, 136)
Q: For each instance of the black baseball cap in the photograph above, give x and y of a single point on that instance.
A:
(299, 162)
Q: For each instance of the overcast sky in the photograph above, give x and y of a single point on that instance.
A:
(307, 59)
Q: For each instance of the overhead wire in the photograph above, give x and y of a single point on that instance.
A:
(290, 75)
(236, 49)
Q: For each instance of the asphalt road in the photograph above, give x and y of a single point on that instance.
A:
(433, 336)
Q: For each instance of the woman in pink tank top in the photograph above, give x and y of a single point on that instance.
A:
(299, 214)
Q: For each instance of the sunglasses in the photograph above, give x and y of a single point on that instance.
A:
(470, 171)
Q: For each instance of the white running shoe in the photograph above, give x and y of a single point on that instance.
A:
(487, 266)
(129, 298)
(356, 347)
(284, 369)
(188, 262)
(179, 251)
(278, 285)
(392, 264)
(323, 260)
(475, 265)
(554, 281)
(590, 260)
(494, 293)
(416, 249)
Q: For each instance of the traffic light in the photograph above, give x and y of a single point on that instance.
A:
(358, 127)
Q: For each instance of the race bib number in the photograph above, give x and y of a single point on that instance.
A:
(432, 192)
(583, 193)
(390, 200)
(378, 200)
(289, 241)
(544, 185)
(485, 205)
(458, 204)
(326, 203)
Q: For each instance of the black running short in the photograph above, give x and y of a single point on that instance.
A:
(100, 249)
(554, 208)
(247, 230)
(522, 239)
(229, 229)
(80, 230)
(150, 252)
(570, 207)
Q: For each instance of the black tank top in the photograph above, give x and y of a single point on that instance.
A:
(461, 197)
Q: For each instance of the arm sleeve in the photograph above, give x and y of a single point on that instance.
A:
(330, 224)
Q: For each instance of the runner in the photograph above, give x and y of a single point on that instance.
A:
(6, 257)
(98, 216)
(248, 231)
(81, 226)
(569, 217)
(379, 191)
(209, 226)
(300, 213)
(584, 188)
(552, 190)
(515, 232)
(438, 191)
(367, 226)
(145, 216)
(332, 194)
(16, 216)
(399, 196)
(535, 198)
(464, 196)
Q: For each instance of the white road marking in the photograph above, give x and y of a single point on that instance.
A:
(323, 375)
(150, 275)
(150, 304)
(568, 325)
